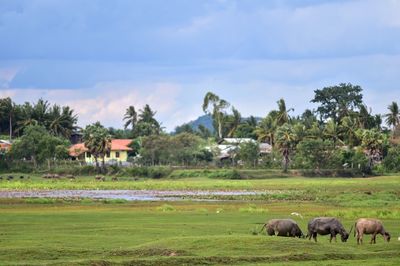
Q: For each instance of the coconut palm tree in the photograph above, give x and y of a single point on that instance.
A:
(266, 129)
(97, 141)
(283, 114)
(285, 140)
(393, 117)
(331, 131)
(130, 117)
(233, 122)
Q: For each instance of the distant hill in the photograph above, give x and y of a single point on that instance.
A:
(206, 120)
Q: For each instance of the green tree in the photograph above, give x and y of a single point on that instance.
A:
(266, 129)
(130, 117)
(249, 152)
(393, 117)
(97, 141)
(316, 153)
(373, 142)
(285, 140)
(283, 114)
(147, 124)
(338, 101)
(217, 111)
(38, 145)
(7, 108)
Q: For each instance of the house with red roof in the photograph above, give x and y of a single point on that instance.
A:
(119, 152)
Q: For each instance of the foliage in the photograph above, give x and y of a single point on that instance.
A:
(58, 120)
(316, 153)
(97, 141)
(182, 149)
(285, 140)
(392, 159)
(38, 145)
(249, 153)
(338, 101)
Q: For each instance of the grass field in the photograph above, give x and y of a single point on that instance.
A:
(87, 232)
(190, 233)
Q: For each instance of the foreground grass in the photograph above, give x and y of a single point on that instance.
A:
(191, 233)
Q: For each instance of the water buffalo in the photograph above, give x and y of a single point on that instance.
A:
(369, 226)
(326, 226)
(283, 227)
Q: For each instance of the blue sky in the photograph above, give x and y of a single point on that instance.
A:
(102, 56)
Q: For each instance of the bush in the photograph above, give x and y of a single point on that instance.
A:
(149, 172)
(316, 153)
(392, 160)
(225, 174)
(331, 172)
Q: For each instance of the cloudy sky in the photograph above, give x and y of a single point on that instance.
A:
(102, 56)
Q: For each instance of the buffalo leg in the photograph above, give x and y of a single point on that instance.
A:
(315, 236)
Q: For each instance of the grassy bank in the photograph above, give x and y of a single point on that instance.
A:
(190, 233)
(382, 191)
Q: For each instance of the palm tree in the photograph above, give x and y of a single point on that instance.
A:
(131, 117)
(348, 129)
(265, 130)
(331, 131)
(393, 117)
(283, 116)
(285, 139)
(372, 141)
(97, 141)
(217, 112)
(234, 122)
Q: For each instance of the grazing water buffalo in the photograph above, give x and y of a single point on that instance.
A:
(326, 226)
(283, 227)
(370, 226)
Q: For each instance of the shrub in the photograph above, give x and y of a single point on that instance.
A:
(392, 160)
(225, 174)
(149, 172)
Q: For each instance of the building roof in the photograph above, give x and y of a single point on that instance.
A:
(5, 146)
(116, 145)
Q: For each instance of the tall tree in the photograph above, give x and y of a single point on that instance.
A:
(393, 117)
(283, 113)
(97, 141)
(7, 110)
(266, 129)
(285, 140)
(217, 112)
(232, 122)
(130, 117)
(373, 142)
(338, 101)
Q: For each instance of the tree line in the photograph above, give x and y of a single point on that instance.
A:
(340, 132)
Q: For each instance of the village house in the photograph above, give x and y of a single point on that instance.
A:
(228, 147)
(5, 146)
(118, 154)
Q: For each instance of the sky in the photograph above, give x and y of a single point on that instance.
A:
(99, 57)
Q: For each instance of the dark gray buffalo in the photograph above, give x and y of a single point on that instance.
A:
(370, 226)
(283, 227)
(327, 226)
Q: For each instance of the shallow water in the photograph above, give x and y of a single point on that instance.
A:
(132, 195)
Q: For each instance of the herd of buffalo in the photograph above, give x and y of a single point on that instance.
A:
(327, 226)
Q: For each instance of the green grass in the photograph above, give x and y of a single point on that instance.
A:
(42, 231)
(155, 233)
(382, 191)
